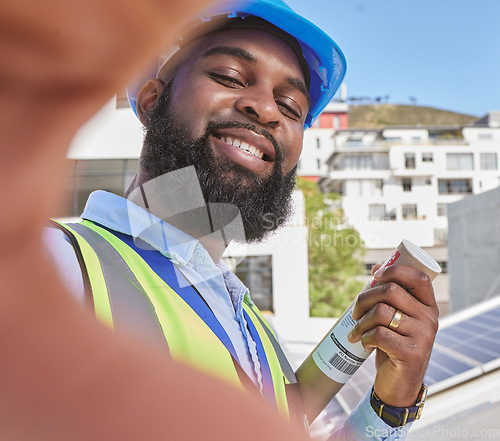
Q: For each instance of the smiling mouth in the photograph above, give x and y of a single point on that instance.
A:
(242, 145)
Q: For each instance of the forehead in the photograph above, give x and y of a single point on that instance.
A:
(266, 49)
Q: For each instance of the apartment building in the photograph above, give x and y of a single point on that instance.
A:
(397, 182)
(318, 140)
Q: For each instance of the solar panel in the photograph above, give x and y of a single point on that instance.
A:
(489, 342)
(443, 365)
(490, 319)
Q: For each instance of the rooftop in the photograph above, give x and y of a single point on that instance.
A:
(465, 363)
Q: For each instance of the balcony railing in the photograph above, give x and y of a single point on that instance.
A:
(381, 144)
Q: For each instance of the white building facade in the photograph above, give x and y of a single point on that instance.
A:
(318, 140)
(396, 183)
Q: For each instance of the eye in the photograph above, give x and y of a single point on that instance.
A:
(226, 80)
(290, 109)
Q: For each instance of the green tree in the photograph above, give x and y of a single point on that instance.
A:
(335, 251)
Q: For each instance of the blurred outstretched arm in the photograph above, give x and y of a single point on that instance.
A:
(63, 376)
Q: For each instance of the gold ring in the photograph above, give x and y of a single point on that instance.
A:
(396, 319)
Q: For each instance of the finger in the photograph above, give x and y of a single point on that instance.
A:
(381, 315)
(381, 337)
(414, 281)
(406, 352)
(375, 268)
(391, 294)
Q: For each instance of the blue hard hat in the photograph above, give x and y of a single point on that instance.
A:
(326, 62)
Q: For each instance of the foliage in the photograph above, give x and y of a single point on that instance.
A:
(335, 252)
(382, 115)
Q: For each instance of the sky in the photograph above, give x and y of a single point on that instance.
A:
(438, 53)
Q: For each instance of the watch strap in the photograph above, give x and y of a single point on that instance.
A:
(398, 416)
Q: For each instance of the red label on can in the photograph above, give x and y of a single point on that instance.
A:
(393, 259)
(389, 262)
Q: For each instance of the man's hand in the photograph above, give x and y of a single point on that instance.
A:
(402, 353)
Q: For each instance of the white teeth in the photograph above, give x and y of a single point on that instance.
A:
(243, 146)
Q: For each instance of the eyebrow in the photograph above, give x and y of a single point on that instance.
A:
(232, 51)
(242, 54)
(301, 87)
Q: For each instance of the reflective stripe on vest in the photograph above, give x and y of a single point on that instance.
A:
(127, 293)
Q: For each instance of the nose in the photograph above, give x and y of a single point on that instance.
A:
(259, 104)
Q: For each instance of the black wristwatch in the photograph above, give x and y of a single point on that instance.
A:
(399, 416)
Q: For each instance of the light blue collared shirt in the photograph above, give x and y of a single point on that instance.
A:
(221, 289)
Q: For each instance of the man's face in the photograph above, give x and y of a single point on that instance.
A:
(246, 76)
(235, 110)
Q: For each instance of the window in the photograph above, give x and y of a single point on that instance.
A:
(460, 161)
(376, 211)
(427, 157)
(406, 184)
(442, 209)
(318, 163)
(368, 268)
(113, 175)
(354, 142)
(357, 162)
(454, 186)
(380, 161)
(488, 161)
(256, 273)
(318, 143)
(440, 236)
(409, 211)
(444, 267)
(410, 160)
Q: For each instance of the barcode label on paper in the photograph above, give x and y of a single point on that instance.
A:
(335, 356)
(343, 366)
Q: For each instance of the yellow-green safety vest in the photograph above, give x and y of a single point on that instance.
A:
(136, 288)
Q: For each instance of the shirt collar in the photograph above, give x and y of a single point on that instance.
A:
(123, 216)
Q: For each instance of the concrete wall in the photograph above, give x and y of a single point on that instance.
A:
(474, 249)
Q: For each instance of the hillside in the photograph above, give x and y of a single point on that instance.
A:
(381, 115)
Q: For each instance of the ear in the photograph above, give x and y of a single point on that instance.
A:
(147, 97)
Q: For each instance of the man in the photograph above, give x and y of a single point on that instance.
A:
(231, 105)
(64, 376)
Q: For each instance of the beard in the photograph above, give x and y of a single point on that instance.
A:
(264, 203)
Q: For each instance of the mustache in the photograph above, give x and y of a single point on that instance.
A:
(215, 125)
